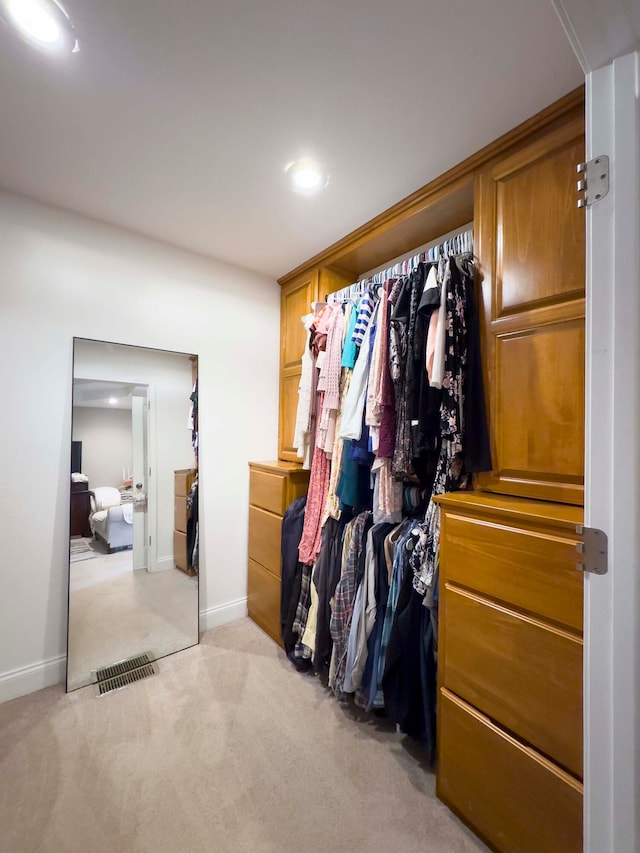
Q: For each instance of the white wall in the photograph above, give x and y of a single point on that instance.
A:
(106, 443)
(168, 377)
(63, 276)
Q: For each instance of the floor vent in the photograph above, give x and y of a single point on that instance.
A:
(123, 673)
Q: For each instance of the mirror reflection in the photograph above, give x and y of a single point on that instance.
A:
(134, 533)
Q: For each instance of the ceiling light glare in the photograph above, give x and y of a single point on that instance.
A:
(113, 401)
(42, 23)
(307, 176)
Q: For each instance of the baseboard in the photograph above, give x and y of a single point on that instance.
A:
(28, 679)
(223, 613)
(163, 564)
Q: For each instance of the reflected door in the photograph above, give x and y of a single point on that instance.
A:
(140, 485)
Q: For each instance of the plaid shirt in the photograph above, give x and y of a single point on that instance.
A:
(344, 598)
(302, 612)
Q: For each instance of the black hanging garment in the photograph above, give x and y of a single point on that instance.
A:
(292, 524)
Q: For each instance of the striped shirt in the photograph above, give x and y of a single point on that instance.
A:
(365, 310)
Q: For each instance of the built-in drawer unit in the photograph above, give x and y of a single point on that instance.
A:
(523, 673)
(264, 598)
(264, 538)
(268, 491)
(183, 481)
(510, 670)
(533, 569)
(514, 798)
(272, 487)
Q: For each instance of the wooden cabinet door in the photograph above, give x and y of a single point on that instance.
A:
(531, 246)
(295, 302)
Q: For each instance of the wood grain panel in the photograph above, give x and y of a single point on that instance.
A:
(180, 514)
(264, 539)
(267, 491)
(289, 382)
(183, 480)
(539, 403)
(538, 225)
(263, 599)
(514, 798)
(524, 674)
(532, 570)
(295, 302)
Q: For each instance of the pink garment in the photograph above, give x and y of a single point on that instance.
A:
(310, 542)
(431, 342)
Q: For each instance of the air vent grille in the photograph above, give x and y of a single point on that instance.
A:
(123, 673)
(122, 666)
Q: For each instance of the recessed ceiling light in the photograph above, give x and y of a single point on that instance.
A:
(113, 401)
(42, 23)
(307, 176)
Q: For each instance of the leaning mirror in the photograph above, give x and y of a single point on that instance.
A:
(134, 532)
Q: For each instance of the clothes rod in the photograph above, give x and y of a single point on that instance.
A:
(417, 251)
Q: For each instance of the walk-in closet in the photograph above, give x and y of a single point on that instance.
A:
(415, 543)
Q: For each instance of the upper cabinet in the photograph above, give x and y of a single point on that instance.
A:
(530, 240)
(295, 301)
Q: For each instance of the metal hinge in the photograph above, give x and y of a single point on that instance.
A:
(594, 550)
(595, 183)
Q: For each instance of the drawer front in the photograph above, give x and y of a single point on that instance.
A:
(264, 539)
(267, 491)
(263, 599)
(180, 514)
(518, 801)
(525, 675)
(180, 550)
(183, 480)
(533, 571)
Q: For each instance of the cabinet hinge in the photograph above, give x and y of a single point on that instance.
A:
(595, 183)
(594, 550)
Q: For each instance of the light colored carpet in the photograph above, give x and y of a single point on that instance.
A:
(226, 749)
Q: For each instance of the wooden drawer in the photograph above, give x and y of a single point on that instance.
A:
(263, 599)
(180, 514)
(267, 491)
(183, 481)
(264, 539)
(532, 570)
(513, 797)
(521, 672)
(180, 550)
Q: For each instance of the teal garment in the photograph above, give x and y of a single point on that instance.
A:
(350, 350)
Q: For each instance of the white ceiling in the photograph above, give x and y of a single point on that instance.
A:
(176, 120)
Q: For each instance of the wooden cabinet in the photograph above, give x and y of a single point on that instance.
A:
(295, 301)
(531, 245)
(510, 670)
(183, 480)
(510, 637)
(272, 487)
(80, 510)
